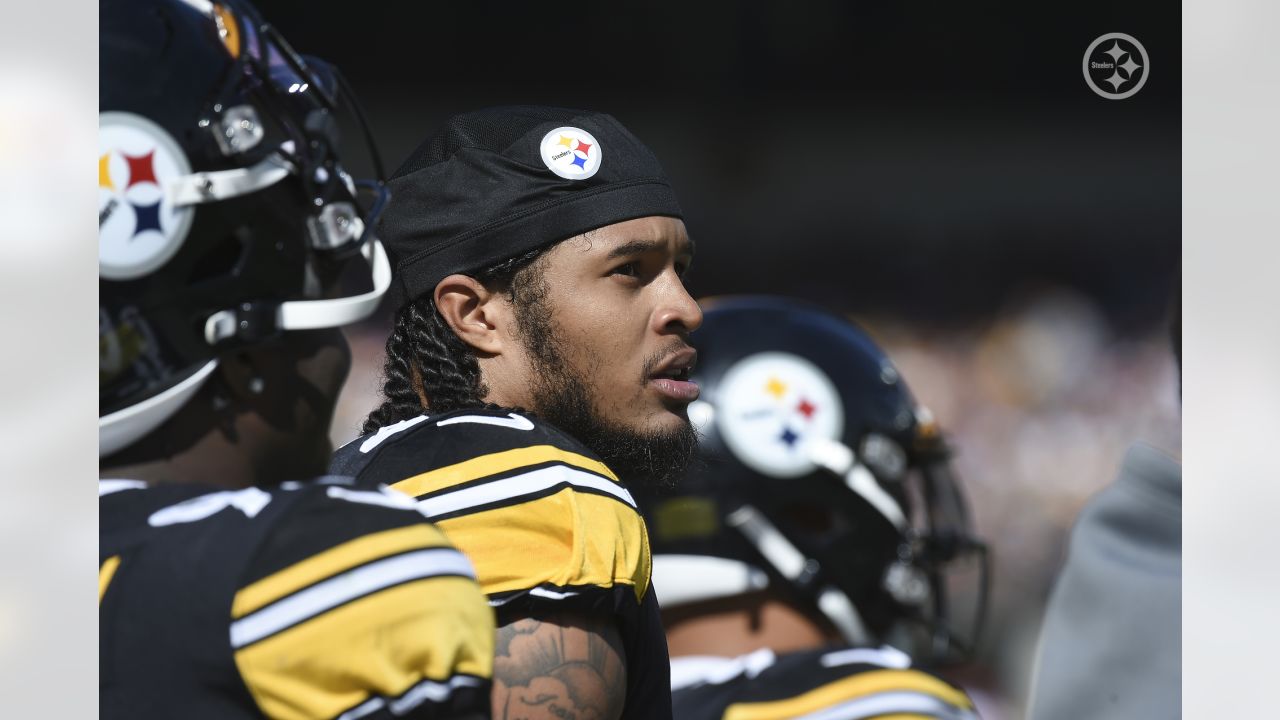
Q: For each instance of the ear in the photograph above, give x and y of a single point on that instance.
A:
(478, 316)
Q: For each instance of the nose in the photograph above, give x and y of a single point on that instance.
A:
(678, 313)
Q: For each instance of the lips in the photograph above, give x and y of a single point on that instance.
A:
(671, 377)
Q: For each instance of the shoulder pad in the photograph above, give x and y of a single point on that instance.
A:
(536, 511)
(429, 442)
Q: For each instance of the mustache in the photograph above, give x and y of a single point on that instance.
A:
(651, 363)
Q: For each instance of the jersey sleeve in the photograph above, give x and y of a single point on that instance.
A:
(545, 522)
(354, 606)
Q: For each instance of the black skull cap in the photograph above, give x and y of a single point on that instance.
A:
(500, 182)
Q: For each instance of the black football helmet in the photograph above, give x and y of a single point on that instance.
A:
(820, 479)
(225, 215)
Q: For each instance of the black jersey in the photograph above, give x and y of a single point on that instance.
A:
(839, 684)
(548, 526)
(311, 600)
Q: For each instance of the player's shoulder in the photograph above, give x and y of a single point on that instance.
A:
(353, 564)
(497, 480)
(258, 530)
(480, 436)
(444, 460)
(847, 682)
(292, 573)
(325, 509)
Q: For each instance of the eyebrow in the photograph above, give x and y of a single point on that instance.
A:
(637, 247)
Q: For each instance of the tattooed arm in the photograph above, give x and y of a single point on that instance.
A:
(562, 667)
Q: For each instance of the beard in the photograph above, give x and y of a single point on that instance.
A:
(654, 459)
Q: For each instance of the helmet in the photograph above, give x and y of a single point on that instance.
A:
(225, 216)
(820, 479)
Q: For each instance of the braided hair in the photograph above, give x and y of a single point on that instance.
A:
(428, 366)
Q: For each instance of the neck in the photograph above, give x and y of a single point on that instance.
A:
(739, 626)
(212, 460)
(197, 445)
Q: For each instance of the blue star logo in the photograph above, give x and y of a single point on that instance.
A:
(148, 218)
(788, 437)
(579, 161)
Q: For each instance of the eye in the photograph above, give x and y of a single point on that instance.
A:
(630, 269)
(681, 268)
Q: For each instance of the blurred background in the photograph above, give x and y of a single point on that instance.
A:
(940, 173)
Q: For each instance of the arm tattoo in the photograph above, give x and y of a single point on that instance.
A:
(563, 667)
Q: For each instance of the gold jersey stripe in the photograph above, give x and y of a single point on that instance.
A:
(850, 688)
(106, 571)
(335, 560)
(567, 538)
(494, 463)
(381, 644)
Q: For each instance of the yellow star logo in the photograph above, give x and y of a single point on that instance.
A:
(104, 172)
(775, 387)
(566, 141)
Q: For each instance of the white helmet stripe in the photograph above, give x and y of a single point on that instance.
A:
(122, 427)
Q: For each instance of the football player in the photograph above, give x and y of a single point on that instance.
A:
(803, 561)
(232, 243)
(536, 374)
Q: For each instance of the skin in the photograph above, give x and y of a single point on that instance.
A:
(565, 667)
(236, 432)
(617, 299)
(740, 625)
(624, 279)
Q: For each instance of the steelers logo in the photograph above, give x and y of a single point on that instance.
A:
(572, 153)
(771, 405)
(139, 227)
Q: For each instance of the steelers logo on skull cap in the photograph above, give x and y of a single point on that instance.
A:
(572, 153)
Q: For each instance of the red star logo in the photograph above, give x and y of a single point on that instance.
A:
(806, 408)
(584, 148)
(140, 169)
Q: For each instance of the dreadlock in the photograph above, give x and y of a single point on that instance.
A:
(428, 366)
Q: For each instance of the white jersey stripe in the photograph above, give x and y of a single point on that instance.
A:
(529, 483)
(512, 420)
(413, 697)
(343, 588)
(385, 432)
(107, 487)
(884, 656)
(891, 703)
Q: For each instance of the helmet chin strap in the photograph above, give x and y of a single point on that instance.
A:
(792, 564)
(839, 459)
(207, 187)
(312, 314)
(251, 320)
